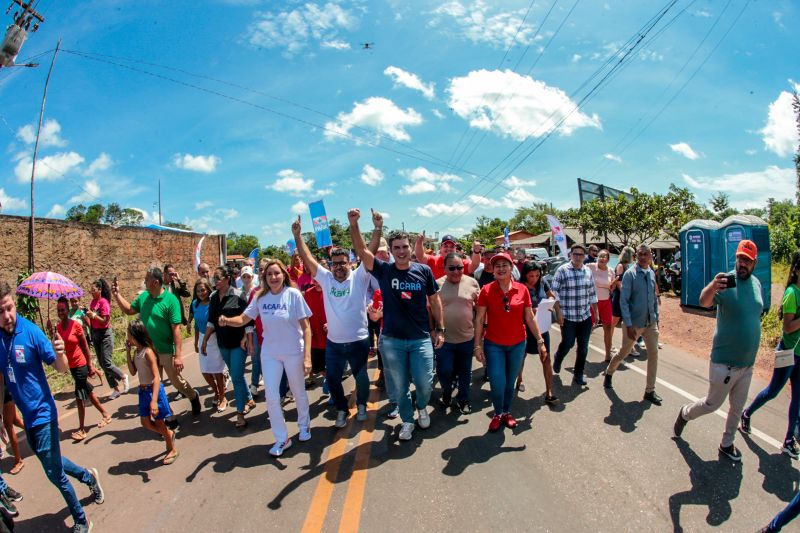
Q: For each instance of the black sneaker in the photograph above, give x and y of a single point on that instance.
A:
(653, 397)
(680, 423)
(790, 448)
(95, 487)
(82, 528)
(196, 407)
(13, 495)
(744, 424)
(731, 452)
(7, 506)
(607, 381)
(464, 407)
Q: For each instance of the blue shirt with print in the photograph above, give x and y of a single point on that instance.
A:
(405, 298)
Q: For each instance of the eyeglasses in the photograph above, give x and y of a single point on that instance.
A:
(578, 254)
(338, 263)
(454, 268)
(506, 303)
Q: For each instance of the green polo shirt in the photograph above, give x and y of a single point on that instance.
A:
(738, 331)
(790, 303)
(159, 314)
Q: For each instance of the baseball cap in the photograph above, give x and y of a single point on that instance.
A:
(247, 270)
(502, 255)
(383, 246)
(747, 249)
(448, 238)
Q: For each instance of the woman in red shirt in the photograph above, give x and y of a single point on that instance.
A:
(77, 349)
(319, 330)
(504, 306)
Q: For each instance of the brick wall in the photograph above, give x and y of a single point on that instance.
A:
(85, 252)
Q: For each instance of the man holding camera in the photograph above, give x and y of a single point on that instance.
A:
(737, 295)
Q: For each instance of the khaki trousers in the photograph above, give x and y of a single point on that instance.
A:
(650, 335)
(165, 362)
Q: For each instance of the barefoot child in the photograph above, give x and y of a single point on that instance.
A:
(153, 405)
(77, 349)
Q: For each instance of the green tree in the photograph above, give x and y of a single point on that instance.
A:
(533, 219)
(76, 213)
(276, 252)
(180, 225)
(486, 229)
(241, 244)
(720, 203)
(94, 214)
(796, 107)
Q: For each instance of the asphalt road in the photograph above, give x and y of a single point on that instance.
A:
(601, 461)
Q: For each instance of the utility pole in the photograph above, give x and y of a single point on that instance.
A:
(31, 231)
(159, 201)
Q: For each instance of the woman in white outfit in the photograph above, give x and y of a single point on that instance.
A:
(287, 346)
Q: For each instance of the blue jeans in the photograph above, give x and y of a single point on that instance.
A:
(571, 331)
(502, 365)
(255, 361)
(455, 358)
(787, 515)
(43, 440)
(337, 355)
(235, 359)
(779, 378)
(404, 360)
(3, 484)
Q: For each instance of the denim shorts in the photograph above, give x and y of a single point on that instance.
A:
(146, 396)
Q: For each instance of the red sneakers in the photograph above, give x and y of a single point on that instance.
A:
(495, 424)
(509, 421)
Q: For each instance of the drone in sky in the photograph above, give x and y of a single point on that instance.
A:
(368, 46)
(25, 20)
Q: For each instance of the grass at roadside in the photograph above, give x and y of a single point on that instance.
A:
(772, 325)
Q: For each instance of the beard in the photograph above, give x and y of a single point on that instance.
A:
(743, 274)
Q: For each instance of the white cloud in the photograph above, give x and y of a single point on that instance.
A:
(423, 180)
(612, 157)
(777, 17)
(203, 205)
(514, 105)
(300, 208)
(702, 13)
(49, 136)
(56, 211)
(748, 189)
(9, 202)
(410, 80)
(292, 182)
(335, 45)
(48, 168)
(513, 199)
(514, 182)
(323, 192)
(103, 162)
(576, 58)
(751, 152)
(474, 21)
(293, 29)
(685, 150)
(378, 114)
(196, 163)
(780, 133)
(482, 201)
(151, 217)
(89, 193)
(437, 113)
(227, 214)
(434, 209)
(371, 175)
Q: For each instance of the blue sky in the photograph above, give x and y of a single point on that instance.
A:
(247, 110)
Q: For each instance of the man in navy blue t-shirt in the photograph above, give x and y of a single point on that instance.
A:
(407, 289)
(23, 349)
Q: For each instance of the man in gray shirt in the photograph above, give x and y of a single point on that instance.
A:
(639, 305)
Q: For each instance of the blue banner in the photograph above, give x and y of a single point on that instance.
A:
(320, 221)
(291, 247)
(254, 253)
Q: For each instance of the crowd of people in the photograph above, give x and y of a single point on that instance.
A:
(425, 316)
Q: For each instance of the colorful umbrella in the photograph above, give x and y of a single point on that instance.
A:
(50, 286)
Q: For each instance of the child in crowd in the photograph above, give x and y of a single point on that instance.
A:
(153, 404)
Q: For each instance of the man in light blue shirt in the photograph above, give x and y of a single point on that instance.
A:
(639, 305)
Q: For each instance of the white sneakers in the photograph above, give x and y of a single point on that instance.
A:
(279, 447)
(341, 419)
(423, 419)
(126, 380)
(362, 413)
(406, 430)
(305, 435)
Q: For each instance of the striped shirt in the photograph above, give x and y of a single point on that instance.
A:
(574, 289)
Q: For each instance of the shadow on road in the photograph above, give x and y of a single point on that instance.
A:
(139, 467)
(475, 450)
(53, 521)
(624, 414)
(780, 476)
(714, 484)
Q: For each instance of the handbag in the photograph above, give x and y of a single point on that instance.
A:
(784, 357)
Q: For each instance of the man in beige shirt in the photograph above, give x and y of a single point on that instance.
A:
(458, 293)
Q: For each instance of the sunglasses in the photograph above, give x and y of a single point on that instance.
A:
(454, 268)
(506, 303)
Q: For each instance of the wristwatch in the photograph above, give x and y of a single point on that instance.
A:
(540, 341)
(439, 330)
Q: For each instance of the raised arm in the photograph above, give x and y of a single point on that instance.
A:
(309, 262)
(121, 301)
(419, 249)
(476, 257)
(366, 256)
(375, 239)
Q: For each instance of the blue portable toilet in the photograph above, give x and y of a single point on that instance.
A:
(699, 241)
(736, 228)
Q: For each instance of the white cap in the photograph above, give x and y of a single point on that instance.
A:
(247, 270)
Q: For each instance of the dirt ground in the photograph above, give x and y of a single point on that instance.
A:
(692, 330)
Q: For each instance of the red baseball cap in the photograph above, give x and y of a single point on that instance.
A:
(498, 257)
(747, 249)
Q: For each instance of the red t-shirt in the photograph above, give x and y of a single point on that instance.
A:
(505, 327)
(71, 334)
(101, 307)
(259, 325)
(436, 262)
(377, 302)
(318, 319)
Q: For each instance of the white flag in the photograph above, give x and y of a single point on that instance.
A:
(558, 234)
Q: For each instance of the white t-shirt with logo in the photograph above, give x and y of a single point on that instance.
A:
(345, 304)
(280, 315)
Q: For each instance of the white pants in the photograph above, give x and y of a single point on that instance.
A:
(272, 367)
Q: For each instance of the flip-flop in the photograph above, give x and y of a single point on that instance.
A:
(17, 468)
(221, 407)
(78, 435)
(170, 460)
(104, 422)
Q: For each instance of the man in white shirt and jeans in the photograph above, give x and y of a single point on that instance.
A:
(344, 294)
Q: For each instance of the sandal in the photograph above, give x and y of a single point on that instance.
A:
(222, 406)
(550, 400)
(17, 468)
(77, 436)
(168, 460)
(241, 423)
(104, 422)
